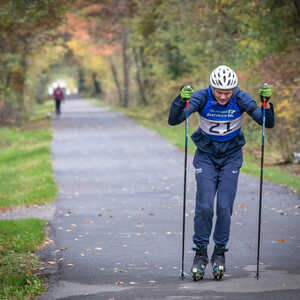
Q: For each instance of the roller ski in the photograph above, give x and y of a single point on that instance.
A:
(218, 262)
(200, 262)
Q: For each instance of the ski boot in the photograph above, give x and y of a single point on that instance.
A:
(218, 261)
(200, 262)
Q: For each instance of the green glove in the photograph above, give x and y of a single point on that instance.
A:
(186, 92)
(265, 92)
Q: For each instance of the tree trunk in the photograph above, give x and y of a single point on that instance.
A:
(297, 5)
(43, 81)
(97, 87)
(125, 68)
(116, 80)
(138, 78)
(81, 81)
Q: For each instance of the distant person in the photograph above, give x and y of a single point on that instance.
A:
(218, 158)
(58, 96)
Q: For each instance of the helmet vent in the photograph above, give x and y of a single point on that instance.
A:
(223, 78)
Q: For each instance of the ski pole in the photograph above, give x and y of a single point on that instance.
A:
(261, 181)
(184, 184)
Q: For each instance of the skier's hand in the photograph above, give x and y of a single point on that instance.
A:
(186, 92)
(265, 92)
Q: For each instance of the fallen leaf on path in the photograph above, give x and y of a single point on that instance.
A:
(242, 206)
(120, 271)
(281, 212)
(119, 283)
(70, 265)
(139, 225)
(281, 241)
(51, 262)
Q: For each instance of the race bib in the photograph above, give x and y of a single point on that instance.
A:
(219, 128)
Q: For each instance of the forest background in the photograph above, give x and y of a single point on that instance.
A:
(136, 54)
(131, 55)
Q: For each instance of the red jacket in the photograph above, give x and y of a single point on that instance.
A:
(58, 94)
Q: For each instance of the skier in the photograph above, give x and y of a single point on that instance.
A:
(218, 157)
(58, 96)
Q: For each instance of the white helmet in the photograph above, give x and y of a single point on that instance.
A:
(223, 77)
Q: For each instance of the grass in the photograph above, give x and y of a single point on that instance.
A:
(18, 265)
(26, 178)
(25, 164)
(251, 164)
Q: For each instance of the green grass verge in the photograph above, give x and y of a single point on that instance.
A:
(25, 165)
(42, 111)
(175, 134)
(26, 178)
(18, 263)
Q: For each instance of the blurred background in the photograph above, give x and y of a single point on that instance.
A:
(136, 54)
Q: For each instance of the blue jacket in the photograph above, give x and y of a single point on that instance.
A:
(202, 141)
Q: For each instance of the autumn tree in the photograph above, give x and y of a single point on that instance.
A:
(24, 26)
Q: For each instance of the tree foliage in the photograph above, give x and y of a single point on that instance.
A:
(141, 51)
(24, 26)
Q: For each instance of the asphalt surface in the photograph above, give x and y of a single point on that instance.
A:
(117, 228)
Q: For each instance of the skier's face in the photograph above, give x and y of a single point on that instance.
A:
(222, 96)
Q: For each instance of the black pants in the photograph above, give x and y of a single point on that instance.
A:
(57, 106)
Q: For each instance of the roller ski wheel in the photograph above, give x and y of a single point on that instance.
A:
(198, 274)
(200, 263)
(218, 272)
(218, 262)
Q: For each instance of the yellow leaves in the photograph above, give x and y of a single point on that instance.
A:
(85, 52)
(287, 109)
(244, 43)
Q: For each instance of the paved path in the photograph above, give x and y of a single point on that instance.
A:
(117, 226)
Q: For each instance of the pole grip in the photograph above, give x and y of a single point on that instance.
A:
(265, 103)
(187, 103)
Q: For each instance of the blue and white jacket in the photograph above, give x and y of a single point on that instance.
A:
(219, 131)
